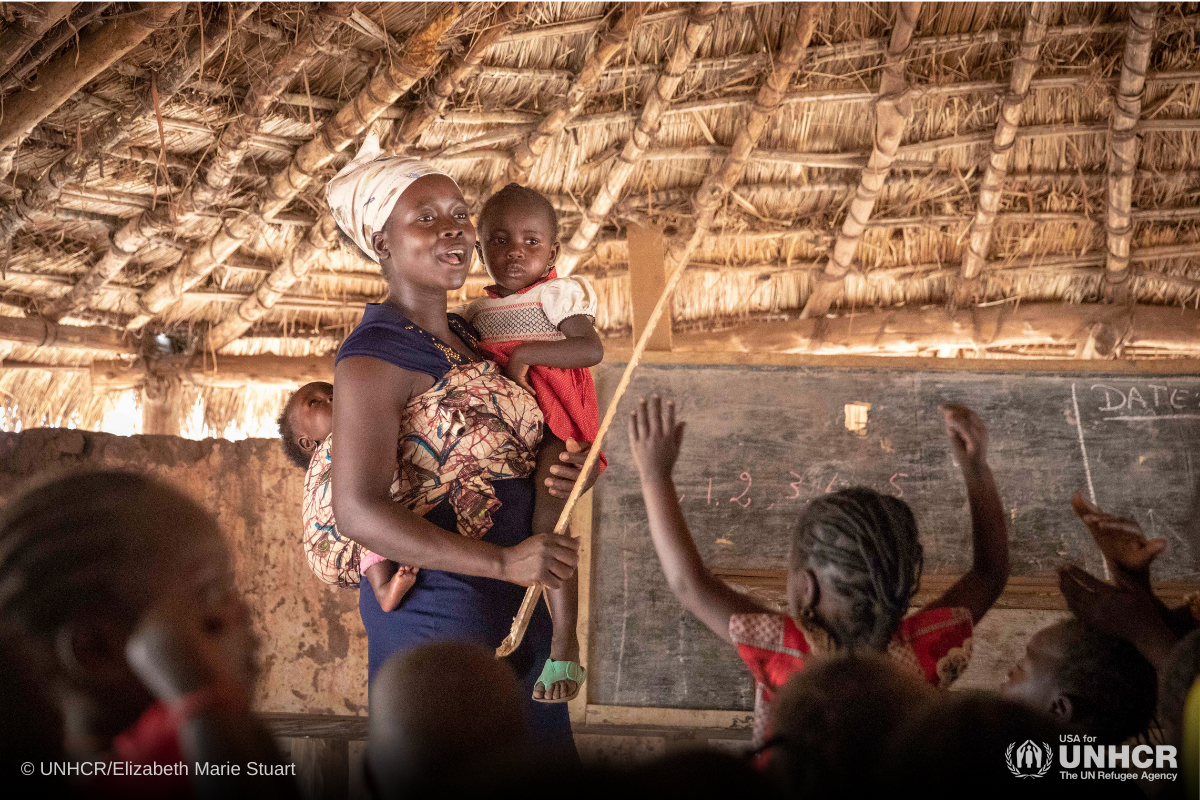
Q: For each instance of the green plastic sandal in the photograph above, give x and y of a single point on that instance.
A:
(556, 671)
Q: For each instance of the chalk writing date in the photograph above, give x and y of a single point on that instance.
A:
(1146, 401)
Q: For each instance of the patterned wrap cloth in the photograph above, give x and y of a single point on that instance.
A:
(933, 645)
(474, 426)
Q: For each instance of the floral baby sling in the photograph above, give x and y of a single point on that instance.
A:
(473, 427)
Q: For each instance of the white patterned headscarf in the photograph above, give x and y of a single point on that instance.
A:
(362, 196)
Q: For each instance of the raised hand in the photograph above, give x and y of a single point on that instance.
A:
(967, 433)
(1121, 541)
(655, 437)
(1128, 612)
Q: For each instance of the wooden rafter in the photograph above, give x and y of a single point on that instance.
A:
(65, 75)
(699, 25)
(910, 331)
(19, 37)
(892, 112)
(1122, 138)
(231, 150)
(389, 83)
(1024, 65)
(420, 57)
(44, 195)
(526, 153)
(454, 73)
(44, 333)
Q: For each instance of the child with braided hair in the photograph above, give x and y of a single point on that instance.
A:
(855, 565)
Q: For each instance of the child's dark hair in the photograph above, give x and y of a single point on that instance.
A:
(80, 544)
(295, 453)
(866, 544)
(1112, 687)
(515, 191)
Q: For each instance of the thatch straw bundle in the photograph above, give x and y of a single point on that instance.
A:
(163, 164)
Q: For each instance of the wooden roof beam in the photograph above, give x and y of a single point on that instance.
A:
(453, 74)
(717, 185)
(700, 23)
(615, 39)
(43, 196)
(44, 333)
(420, 57)
(391, 81)
(35, 21)
(910, 331)
(892, 112)
(1122, 138)
(227, 372)
(1026, 63)
(67, 73)
(231, 149)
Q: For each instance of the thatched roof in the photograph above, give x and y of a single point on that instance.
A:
(157, 194)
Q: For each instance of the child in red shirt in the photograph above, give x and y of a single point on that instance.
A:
(540, 329)
(855, 565)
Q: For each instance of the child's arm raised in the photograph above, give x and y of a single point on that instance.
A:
(371, 396)
(982, 585)
(581, 349)
(654, 438)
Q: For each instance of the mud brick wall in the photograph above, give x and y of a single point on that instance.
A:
(313, 649)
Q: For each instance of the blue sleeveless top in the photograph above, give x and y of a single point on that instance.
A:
(446, 605)
(386, 334)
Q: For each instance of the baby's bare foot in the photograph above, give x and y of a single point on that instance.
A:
(394, 590)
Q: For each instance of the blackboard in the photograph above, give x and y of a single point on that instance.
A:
(762, 440)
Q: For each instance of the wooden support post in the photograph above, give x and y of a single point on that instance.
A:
(162, 405)
(647, 280)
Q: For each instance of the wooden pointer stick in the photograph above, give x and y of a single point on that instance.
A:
(713, 190)
(529, 604)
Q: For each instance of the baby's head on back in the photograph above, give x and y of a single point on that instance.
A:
(518, 237)
(306, 421)
(855, 566)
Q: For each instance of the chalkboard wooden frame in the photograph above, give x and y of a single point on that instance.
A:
(583, 711)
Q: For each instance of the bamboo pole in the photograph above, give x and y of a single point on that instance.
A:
(709, 196)
(611, 42)
(1122, 138)
(67, 74)
(43, 196)
(388, 84)
(223, 166)
(23, 34)
(459, 69)
(911, 331)
(700, 23)
(296, 265)
(1024, 66)
(324, 233)
(230, 372)
(892, 112)
(44, 333)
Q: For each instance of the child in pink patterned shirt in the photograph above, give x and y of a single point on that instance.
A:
(855, 565)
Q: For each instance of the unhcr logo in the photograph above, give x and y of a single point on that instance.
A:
(1031, 761)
